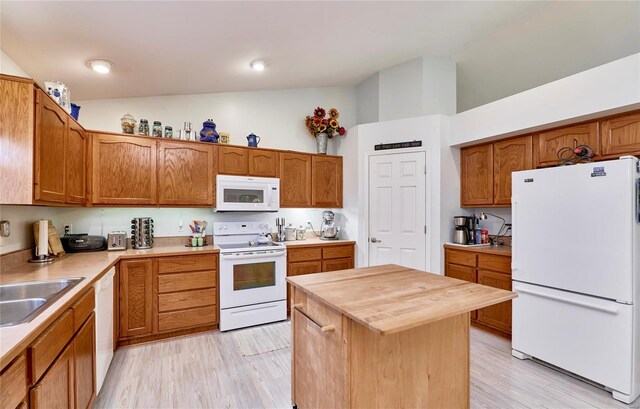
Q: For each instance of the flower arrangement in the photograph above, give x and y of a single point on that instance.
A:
(323, 122)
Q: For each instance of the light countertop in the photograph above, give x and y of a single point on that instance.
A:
(315, 241)
(497, 250)
(92, 266)
(391, 298)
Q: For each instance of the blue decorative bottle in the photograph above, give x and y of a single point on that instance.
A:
(208, 132)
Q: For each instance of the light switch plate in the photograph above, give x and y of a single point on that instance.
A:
(5, 228)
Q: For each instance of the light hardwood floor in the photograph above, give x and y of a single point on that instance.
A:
(214, 370)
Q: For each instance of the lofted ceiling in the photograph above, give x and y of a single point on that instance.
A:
(184, 47)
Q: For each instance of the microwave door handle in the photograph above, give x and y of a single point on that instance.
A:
(250, 256)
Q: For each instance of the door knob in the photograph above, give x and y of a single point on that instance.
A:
(374, 240)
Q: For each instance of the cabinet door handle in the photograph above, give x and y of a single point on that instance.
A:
(323, 328)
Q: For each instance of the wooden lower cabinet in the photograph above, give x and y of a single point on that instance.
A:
(499, 315)
(84, 347)
(13, 383)
(167, 296)
(69, 380)
(136, 297)
(337, 264)
(56, 388)
(487, 269)
(318, 258)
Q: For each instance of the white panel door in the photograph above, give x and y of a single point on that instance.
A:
(397, 210)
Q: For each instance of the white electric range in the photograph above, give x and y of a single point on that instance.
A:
(253, 288)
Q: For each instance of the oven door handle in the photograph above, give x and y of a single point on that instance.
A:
(250, 256)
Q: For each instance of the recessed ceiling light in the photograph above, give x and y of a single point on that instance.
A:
(100, 66)
(258, 65)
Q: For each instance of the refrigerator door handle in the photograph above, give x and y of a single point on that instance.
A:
(609, 310)
(638, 200)
(514, 259)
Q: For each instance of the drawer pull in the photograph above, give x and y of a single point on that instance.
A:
(610, 310)
(323, 328)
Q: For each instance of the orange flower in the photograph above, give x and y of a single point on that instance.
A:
(333, 113)
(334, 124)
(322, 128)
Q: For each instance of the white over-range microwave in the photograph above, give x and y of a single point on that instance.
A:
(247, 194)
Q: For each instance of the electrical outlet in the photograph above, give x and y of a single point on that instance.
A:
(180, 226)
(68, 229)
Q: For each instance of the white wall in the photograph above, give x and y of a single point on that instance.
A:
(432, 130)
(604, 89)
(367, 100)
(22, 219)
(167, 220)
(9, 67)
(276, 116)
(401, 91)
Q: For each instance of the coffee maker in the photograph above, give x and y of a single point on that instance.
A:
(464, 229)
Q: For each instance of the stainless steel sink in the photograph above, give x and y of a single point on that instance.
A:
(22, 302)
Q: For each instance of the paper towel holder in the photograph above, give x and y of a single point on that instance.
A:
(42, 247)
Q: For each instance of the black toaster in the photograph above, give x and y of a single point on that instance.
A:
(78, 243)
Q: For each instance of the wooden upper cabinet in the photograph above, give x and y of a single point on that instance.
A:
(620, 136)
(263, 163)
(185, 175)
(16, 140)
(124, 170)
(233, 160)
(548, 144)
(51, 131)
(510, 156)
(476, 173)
(75, 163)
(136, 297)
(295, 179)
(327, 181)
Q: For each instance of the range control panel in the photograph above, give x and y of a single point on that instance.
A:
(233, 228)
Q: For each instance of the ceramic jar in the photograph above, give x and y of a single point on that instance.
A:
(128, 123)
(143, 129)
(208, 132)
(157, 129)
(60, 93)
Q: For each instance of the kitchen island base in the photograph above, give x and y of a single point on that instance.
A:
(383, 337)
(350, 366)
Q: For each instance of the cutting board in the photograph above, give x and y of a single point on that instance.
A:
(55, 245)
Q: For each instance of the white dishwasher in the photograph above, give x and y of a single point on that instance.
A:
(104, 325)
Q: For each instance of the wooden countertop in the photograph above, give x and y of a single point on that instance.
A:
(496, 250)
(91, 266)
(391, 298)
(315, 241)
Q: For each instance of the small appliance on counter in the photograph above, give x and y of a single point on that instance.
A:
(117, 240)
(329, 230)
(79, 243)
(142, 233)
(461, 230)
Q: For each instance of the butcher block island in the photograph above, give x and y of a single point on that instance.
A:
(384, 336)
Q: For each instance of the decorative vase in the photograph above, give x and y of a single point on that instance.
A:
(60, 93)
(321, 140)
(208, 132)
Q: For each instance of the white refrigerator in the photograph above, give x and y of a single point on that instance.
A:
(576, 269)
